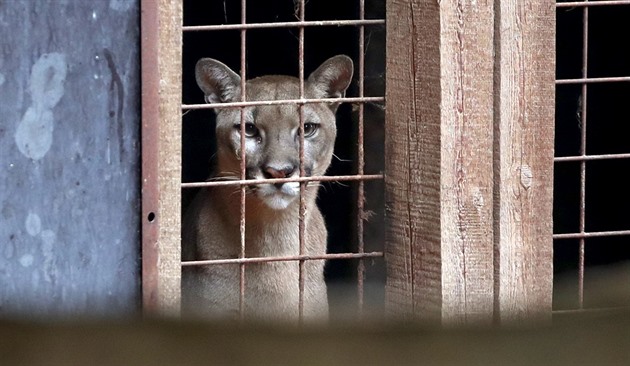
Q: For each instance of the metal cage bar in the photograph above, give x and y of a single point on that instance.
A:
(583, 120)
(584, 157)
(243, 182)
(283, 101)
(243, 73)
(302, 212)
(361, 163)
(300, 24)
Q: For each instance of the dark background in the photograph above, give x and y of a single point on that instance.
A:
(275, 51)
(607, 195)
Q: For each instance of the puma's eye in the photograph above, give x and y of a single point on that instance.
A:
(250, 129)
(310, 129)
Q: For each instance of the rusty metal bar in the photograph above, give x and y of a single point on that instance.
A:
(360, 165)
(597, 234)
(583, 121)
(242, 260)
(243, 158)
(247, 182)
(150, 137)
(587, 80)
(302, 258)
(591, 157)
(283, 101)
(575, 4)
(300, 24)
(302, 172)
(621, 309)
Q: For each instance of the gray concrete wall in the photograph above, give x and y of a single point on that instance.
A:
(69, 157)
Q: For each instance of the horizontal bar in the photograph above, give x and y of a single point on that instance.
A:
(596, 234)
(283, 259)
(593, 80)
(591, 157)
(591, 310)
(575, 4)
(248, 182)
(321, 23)
(283, 101)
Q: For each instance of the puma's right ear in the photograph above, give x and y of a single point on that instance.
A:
(219, 83)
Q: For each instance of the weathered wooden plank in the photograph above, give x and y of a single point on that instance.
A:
(525, 47)
(161, 59)
(439, 151)
(466, 161)
(412, 172)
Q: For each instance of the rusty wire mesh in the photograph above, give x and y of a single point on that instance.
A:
(583, 157)
(360, 177)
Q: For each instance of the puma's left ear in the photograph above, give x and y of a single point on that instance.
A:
(332, 78)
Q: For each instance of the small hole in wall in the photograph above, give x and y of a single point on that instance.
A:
(151, 216)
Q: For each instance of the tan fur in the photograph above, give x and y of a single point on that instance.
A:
(211, 224)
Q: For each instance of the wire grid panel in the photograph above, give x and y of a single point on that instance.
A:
(243, 183)
(583, 158)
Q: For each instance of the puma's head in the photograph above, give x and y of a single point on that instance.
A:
(271, 132)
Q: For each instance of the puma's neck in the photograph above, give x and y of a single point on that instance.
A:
(269, 232)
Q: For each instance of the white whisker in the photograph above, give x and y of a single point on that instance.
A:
(340, 159)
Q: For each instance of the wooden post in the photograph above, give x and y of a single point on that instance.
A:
(439, 247)
(524, 138)
(161, 155)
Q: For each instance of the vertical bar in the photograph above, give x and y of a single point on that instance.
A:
(302, 173)
(361, 164)
(466, 167)
(150, 137)
(161, 23)
(583, 112)
(243, 156)
(439, 146)
(523, 171)
(412, 173)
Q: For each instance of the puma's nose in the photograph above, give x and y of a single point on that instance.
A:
(272, 172)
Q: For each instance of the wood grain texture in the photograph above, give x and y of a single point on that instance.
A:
(466, 160)
(412, 147)
(525, 48)
(162, 251)
(439, 152)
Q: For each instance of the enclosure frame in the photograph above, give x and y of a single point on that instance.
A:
(161, 53)
(469, 145)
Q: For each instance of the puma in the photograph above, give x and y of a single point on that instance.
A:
(211, 224)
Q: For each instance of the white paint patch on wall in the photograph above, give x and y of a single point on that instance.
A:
(46, 85)
(33, 224)
(34, 133)
(48, 240)
(26, 260)
(120, 5)
(48, 76)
